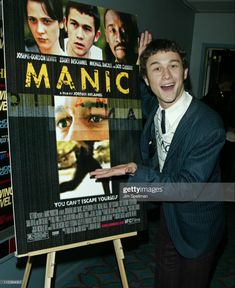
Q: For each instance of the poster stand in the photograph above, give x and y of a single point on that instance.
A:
(51, 252)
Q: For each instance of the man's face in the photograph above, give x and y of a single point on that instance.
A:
(165, 76)
(116, 35)
(81, 118)
(45, 30)
(81, 33)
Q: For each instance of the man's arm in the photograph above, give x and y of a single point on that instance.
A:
(148, 99)
(197, 167)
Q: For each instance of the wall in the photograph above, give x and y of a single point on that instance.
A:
(214, 29)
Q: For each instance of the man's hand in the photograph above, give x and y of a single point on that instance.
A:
(119, 170)
(144, 40)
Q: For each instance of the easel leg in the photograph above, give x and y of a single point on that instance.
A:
(27, 272)
(120, 256)
(49, 269)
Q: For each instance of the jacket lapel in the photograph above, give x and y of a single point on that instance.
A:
(182, 130)
(149, 149)
(148, 141)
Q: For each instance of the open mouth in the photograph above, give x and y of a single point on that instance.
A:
(167, 87)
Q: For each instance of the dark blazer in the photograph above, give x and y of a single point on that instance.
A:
(195, 227)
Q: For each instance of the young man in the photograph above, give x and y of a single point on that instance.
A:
(121, 37)
(186, 150)
(82, 24)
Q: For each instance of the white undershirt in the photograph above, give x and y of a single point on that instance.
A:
(173, 115)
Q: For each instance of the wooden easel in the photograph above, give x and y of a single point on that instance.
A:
(51, 252)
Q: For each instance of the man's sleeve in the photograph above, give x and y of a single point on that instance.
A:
(197, 166)
(148, 99)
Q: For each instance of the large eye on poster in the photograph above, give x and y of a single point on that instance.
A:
(73, 106)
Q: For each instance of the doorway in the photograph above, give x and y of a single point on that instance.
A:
(217, 62)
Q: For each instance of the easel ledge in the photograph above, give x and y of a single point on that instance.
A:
(52, 251)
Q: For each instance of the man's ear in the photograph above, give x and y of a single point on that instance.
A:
(61, 24)
(146, 80)
(106, 36)
(185, 73)
(65, 24)
(97, 35)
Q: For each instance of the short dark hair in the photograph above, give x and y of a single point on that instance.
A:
(131, 31)
(54, 8)
(126, 18)
(86, 9)
(160, 45)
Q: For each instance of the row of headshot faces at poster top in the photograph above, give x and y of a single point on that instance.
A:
(76, 29)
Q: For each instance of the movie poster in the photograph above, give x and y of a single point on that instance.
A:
(73, 106)
(6, 214)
